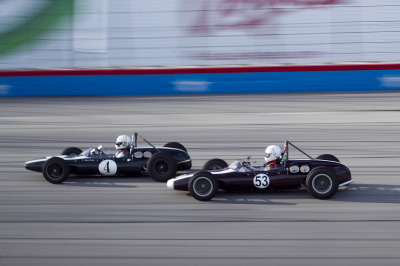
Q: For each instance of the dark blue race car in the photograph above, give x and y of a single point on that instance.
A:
(161, 163)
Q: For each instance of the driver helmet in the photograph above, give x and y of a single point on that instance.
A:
(123, 142)
(272, 153)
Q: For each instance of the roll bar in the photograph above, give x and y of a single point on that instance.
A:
(286, 152)
(135, 137)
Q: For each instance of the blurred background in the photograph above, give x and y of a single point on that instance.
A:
(131, 33)
(207, 46)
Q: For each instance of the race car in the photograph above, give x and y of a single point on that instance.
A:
(161, 163)
(321, 176)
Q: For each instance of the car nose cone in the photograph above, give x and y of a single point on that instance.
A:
(170, 184)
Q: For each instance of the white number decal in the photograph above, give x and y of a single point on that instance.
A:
(261, 181)
(108, 167)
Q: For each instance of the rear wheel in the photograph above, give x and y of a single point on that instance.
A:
(175, 145)
(55, 170)
(215, 164)
(161, 167)
(328, 157)
(203, 186)
(71, 151)
(322, 183)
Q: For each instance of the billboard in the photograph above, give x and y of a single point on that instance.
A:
(36, 34)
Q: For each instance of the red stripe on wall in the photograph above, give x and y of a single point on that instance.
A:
(197, 70)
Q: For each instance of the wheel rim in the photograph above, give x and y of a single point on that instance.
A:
(54, 171)
(161, 167)
(202, 186)
(322, 183)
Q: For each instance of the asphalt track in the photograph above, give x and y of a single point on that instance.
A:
(136, 221)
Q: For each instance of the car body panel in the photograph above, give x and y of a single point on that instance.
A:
(279, 178)
(89, 164)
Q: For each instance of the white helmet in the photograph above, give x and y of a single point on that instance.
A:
(123, 142)
(272, 153)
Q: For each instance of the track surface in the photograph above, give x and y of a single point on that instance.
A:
(136, 221)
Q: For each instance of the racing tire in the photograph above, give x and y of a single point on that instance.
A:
(328, 157)
(203, 186)
(215, 164)
(71, 151)
(322, 183)
(55, 170)
(175, 145)
(161, 167)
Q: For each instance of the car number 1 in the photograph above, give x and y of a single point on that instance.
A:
(261, 181)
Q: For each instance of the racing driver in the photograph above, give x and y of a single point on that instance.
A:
(272, 157)
(123, 145)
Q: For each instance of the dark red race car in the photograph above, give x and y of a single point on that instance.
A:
(321, 176)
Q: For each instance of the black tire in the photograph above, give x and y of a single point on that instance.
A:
(203, 186)
(161, 167)
(215, 164)
(55, 170)
(328, 157)
(322, 183)
(175, 145)
(71, 151)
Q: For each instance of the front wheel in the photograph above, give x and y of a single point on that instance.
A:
(203, 186)
(215, 164)
(55, 170)
(322, 183)
(161, 167)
